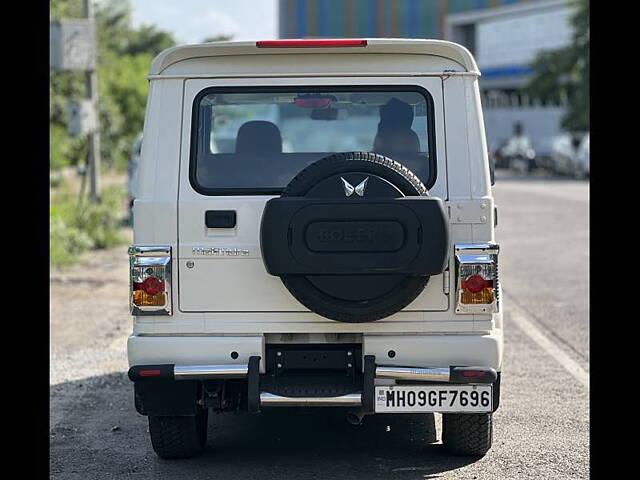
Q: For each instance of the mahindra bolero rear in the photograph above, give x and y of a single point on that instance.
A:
(315, 229)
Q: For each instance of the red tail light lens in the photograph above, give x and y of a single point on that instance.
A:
(473, 373)
(153, 285)
(475, 283)
(311, 43)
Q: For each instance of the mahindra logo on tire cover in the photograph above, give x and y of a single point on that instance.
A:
(349, 189)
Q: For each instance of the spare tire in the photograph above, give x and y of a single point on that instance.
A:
(347, 240)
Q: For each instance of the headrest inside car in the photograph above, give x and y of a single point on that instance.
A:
(390, 141)
(259, 136)
(395, 114)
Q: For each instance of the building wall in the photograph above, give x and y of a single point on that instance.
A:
(527, 34)
(503, 35)
(374, 18)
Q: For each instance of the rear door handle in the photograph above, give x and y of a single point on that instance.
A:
(220, 218)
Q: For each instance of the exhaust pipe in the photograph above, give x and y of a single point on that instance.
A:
(354, 417)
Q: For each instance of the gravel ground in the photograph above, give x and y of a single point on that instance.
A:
(90, 322)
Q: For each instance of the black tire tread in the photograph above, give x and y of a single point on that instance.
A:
(467, 434)
(305, 178)
(178, 436)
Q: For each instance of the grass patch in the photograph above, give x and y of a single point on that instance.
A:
(77, 227)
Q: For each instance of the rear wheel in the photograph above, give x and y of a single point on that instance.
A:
(179, 436)
(467, 434)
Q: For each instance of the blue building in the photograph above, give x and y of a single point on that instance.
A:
(503, 35)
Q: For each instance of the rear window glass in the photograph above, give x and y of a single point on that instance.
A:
(255, 141)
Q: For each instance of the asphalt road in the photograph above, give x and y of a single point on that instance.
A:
(541, 427)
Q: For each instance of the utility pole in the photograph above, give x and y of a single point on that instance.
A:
(91, 82)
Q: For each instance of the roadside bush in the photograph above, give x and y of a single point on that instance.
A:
(103, 222)
(66, 242)
(77, 228)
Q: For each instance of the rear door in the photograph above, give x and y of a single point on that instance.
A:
(229, 179)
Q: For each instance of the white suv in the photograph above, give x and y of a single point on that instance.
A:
(337, 252)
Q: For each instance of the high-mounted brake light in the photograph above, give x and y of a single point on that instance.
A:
(477, 287)
(150, 280)
(326, 42)
(314, 101)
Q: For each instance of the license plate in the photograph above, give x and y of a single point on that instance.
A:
(433, 398)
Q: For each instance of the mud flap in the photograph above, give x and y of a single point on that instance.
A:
(368, 386)
(166, 397)
(253, 385)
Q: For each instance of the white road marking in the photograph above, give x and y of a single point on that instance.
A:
(530, 328)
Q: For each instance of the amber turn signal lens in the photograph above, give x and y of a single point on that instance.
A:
(143, 299)
(483, 296)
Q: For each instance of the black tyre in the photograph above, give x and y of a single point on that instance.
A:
(179, 437)
(467, 434)
(403, 178)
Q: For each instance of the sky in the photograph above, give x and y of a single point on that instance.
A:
(193, 20)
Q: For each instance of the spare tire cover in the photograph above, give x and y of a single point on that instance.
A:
(349, 180)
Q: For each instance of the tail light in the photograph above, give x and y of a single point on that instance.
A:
(477, 284)
(150, 280)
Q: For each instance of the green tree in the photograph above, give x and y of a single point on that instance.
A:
(124, 56)
(217, 38)
(562, 76)
(64, 86)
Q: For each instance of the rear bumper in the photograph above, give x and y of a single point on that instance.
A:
(390, 350)
(158, 350)
(220, 372)
(156, 385)
(173, 374)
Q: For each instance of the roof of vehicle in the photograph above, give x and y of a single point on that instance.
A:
(436, 48)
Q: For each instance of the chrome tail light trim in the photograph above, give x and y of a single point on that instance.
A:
(477, 254)
(151, 256)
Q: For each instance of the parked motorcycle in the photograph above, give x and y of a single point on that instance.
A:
(517, 154)
(570, 155)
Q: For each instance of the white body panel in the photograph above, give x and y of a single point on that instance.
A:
(148, 350)
(245, 284)
(249, 302)
(410, 350)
